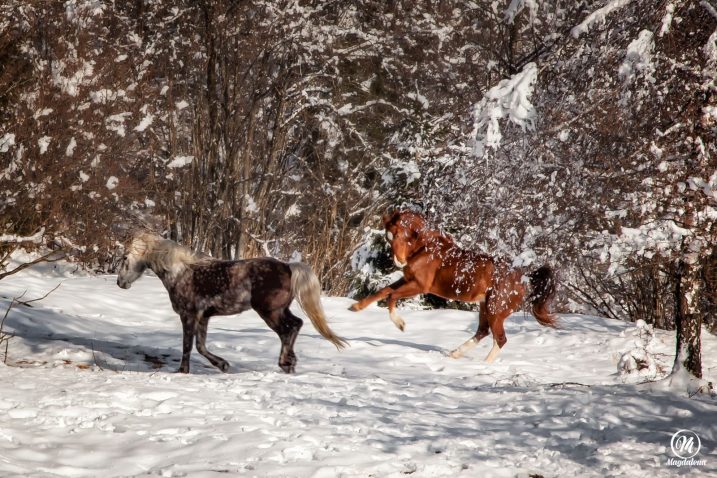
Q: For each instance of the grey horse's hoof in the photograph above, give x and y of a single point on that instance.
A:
(288, 368)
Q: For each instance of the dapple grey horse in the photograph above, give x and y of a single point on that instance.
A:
(201, 287)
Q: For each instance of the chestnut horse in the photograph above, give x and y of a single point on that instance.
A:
(433, 264)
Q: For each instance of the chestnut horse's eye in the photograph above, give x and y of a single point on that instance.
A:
(389, 236)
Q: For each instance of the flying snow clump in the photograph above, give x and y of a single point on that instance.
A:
(144, 124)
(598, 16)
(70, 150)
(516, 6)
(638, 59)
(43, 143)
(6, 142)
(180, 161)
(112, 182)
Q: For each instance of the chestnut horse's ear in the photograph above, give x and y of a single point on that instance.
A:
(389, 217)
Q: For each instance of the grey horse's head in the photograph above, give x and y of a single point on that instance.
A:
(134, 262)
(148, 250)
(130, 270)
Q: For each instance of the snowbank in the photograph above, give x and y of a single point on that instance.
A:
(92, 392)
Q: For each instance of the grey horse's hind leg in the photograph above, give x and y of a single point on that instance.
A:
(187, 342)
(287, 326)
(291, 324)
(201, 339)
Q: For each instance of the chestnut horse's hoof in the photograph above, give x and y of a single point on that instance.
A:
(183, 369)
(398, 321)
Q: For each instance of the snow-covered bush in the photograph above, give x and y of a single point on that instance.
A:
(372, 266)
(639, 363)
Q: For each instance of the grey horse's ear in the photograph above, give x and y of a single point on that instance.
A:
(121, 228)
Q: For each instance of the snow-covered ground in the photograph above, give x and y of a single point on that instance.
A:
(90, 390)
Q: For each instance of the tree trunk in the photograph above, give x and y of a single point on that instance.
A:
(658, 308)
(688, 319)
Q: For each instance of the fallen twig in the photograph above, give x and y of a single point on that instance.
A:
(5, 337)
(94, 358)
(46, 258)
(27, 302)
(566, 384)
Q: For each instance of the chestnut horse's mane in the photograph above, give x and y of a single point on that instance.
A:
(418, 223)
(416, 220)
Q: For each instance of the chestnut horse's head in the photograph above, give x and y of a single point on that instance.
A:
(403, 231)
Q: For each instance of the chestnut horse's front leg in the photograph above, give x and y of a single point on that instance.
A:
(382, 294)
(408, 289)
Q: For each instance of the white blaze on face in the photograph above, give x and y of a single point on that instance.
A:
(398, 263)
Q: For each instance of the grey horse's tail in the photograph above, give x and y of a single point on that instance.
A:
(306, 288)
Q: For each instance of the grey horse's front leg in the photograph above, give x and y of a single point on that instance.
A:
(217, 361)
(187, 342)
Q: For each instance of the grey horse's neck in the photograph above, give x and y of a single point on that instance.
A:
(168, 273)
(167, 259)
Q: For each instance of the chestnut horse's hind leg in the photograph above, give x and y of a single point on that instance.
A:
(501, 301)
(382, 294)
(201, 338)
(483, 331)
(499, 339)
(493, 311)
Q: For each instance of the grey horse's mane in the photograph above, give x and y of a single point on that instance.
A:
(162, 254)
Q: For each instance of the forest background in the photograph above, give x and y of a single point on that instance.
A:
(575, 133)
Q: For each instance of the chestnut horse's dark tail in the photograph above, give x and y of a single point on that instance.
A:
(542, 289)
